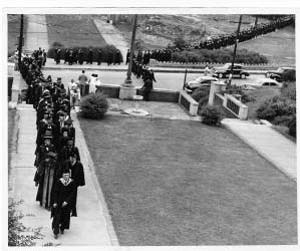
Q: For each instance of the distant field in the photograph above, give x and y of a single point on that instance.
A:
(73, 30)
(278, 47)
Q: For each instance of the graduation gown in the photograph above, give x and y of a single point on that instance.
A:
(45, 177)
(62, 193)
(77, 175)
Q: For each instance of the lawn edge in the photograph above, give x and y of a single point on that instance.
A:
(109, 225)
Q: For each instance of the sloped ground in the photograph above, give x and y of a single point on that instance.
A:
(278, 47)
(73, 30)
(182, 183)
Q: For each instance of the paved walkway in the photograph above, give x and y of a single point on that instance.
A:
(165, 110)
(36, 34)
(277, 149)
(93, 226)
(112, 36)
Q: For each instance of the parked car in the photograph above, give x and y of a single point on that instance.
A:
(224, 71)
(267, 82)
(192, 85)
(277, 74)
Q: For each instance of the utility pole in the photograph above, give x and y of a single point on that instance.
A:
(128, 79)
(234, 51)
(20, 41)
(127, 89)
(256, 21)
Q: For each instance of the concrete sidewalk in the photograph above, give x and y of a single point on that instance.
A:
(112, 36)
(92, 226)
(36, 34)
(273, 146)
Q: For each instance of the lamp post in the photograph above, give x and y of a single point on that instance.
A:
(127, 89)
(234, 51)
(20, 42)
(129, 70)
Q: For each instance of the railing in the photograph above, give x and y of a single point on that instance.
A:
(188, 103)
(235, 106)
(219, 99)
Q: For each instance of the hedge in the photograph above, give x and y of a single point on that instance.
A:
(94, 106)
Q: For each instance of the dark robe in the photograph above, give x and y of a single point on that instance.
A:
(61, 215)
(77, 175)
(45, 177)
(66, 151)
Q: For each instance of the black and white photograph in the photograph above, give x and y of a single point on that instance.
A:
(149, 127)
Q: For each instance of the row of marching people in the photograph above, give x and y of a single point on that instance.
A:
(59, 170)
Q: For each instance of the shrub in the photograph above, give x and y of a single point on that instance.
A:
(292, 125)
(289, 90)
(283, 120)
(201, 92)
(179, 43)
(276, 106)
(16, 230)
(94, 106)
(289, 75)
(211, 115)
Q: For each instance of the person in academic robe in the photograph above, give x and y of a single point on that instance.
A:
(80, 56)
(147, 87)
(90, 56)
(43, 149)
(63, 196)
(128, 56)
(77, 175)
(45, 178)
(67, 150)
(99, 56)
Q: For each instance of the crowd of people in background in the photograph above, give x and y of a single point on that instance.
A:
(80, 55)
(59, 171)
(217, 42)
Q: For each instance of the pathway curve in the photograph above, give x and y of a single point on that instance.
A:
(36, 34)
(273, 146)
(92, 226)
(112, 36)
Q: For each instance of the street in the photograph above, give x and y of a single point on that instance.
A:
(172, 81)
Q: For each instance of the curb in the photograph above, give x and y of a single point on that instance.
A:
(167, 70)
(85, 151)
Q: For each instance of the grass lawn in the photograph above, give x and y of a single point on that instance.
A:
(183, 183)
(73, 30)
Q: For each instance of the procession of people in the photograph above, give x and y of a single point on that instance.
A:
(72, 56)
(59, 171)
